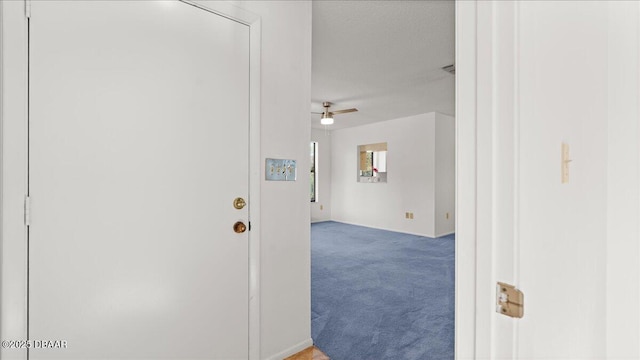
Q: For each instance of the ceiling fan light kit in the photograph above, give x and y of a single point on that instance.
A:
(327, 116)
(327, 119)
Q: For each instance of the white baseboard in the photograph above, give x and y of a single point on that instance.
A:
(320, 220)
(402, 231)
(445, 234)
(292, 350)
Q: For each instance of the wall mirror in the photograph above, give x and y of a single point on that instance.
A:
(372, 163)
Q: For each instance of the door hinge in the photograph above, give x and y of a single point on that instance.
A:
(509, 300)
(27, 9)
(27, 210)
(249, 225)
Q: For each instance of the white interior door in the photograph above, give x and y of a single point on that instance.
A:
(562, 226)
(533, 75)
(138, 145)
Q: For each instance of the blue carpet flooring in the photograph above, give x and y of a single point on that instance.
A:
(379, 294)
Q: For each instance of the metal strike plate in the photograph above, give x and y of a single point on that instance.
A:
(509, 300)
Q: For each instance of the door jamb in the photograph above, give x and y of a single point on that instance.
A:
(13, 178)
(473, 189)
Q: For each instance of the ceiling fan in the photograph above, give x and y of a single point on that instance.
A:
(327, 116)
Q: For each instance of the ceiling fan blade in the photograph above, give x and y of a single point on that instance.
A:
(345, 111)
(319, 113)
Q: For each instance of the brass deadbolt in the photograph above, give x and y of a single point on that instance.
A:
(239, 227)
(239, 203)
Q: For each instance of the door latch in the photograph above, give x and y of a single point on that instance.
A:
(509, 300)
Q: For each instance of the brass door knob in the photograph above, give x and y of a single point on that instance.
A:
(239, 203)
(239, 227)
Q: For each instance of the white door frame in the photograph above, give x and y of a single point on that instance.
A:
(467, 159)
(13, 301)
(13, 162)
(486, 156)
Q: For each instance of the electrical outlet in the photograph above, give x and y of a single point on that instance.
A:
(321, 207)
(406, 215)
(411, 216)
(447, 216)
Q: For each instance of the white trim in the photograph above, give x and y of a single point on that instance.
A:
(253, 21)
(254, 190)
(227, 10)
(13, 181)
(444, 234)
(320, 220)
(292, 350)
(516, 166)
(385, 229)
(484, 178)
(466, 57)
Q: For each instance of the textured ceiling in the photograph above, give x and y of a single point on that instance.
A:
(382, 57)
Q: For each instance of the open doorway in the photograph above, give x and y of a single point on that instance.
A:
(383, 179)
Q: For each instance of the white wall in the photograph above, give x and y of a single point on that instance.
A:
(285, 259)
(445, 175)
(321, 209)
(411, 179)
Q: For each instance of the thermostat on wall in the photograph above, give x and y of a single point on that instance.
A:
(280, 170)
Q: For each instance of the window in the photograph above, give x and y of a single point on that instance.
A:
(314, 178)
